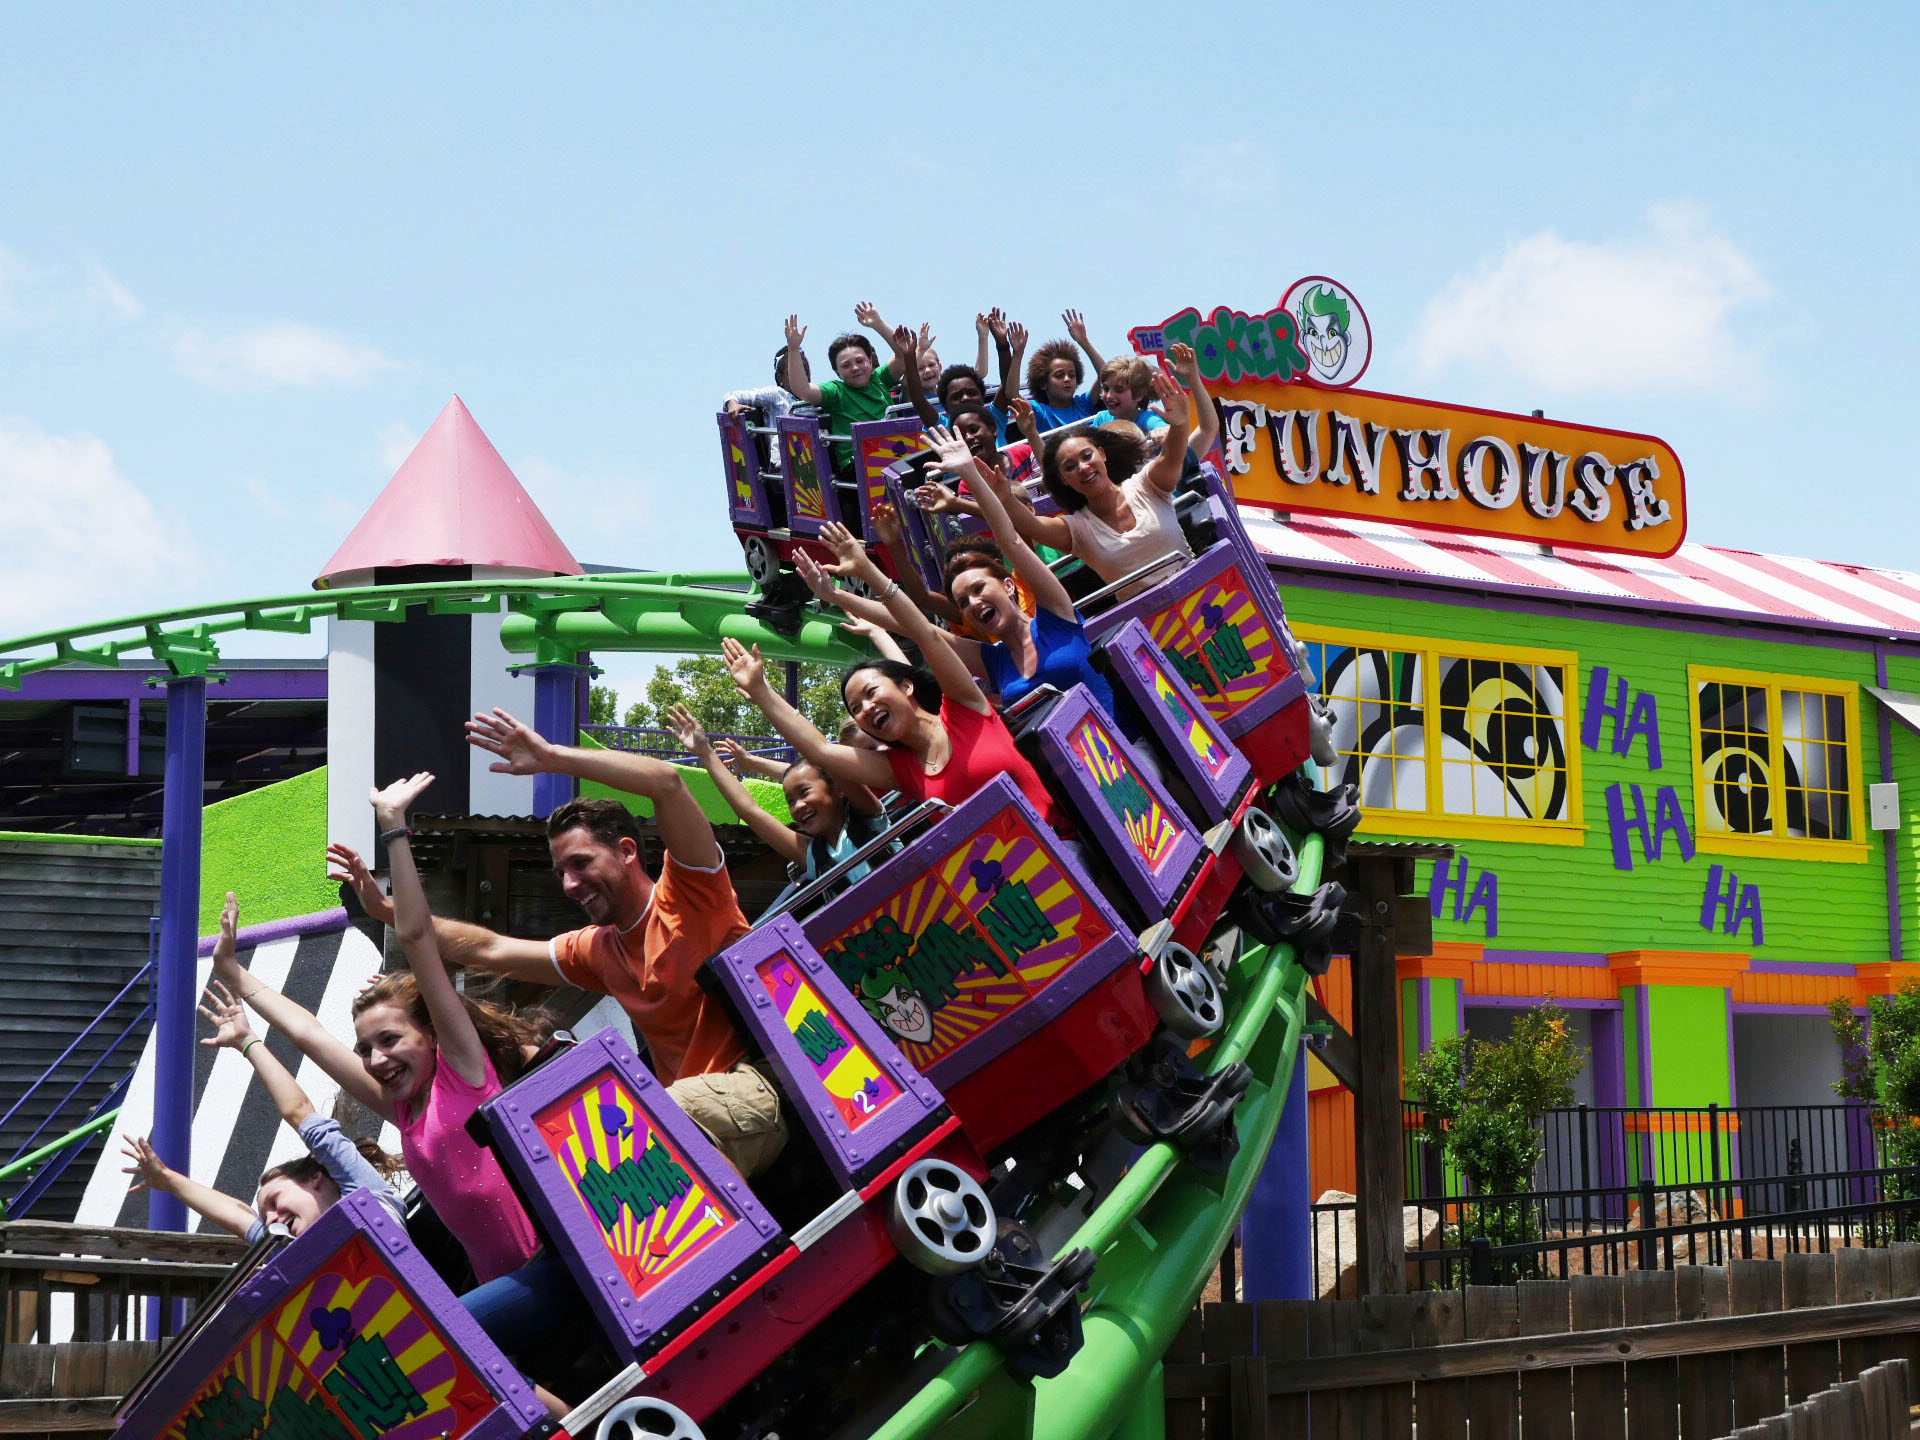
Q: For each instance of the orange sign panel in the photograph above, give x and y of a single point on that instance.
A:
(1357, 453)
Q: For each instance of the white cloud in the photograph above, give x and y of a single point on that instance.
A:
(396, 440)
(111, 293)
(81, 542)
(1230, 167)
(40, 295)
(1569, 316)
(284, 354)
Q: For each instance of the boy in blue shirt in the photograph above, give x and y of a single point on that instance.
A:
(1055, 375)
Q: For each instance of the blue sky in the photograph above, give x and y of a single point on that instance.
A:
(247, 254)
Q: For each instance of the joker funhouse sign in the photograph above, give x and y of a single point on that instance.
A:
(1299, 437)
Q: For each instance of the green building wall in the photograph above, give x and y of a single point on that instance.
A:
(1571, 897)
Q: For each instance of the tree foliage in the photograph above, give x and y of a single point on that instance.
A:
(1880, 1064)
(702, 684)
(1482, 1101)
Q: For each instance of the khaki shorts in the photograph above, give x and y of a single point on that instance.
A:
(740, 1113)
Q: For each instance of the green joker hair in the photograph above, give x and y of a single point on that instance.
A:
(1322, 300)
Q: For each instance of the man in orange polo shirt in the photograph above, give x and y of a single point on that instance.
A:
(647, 938)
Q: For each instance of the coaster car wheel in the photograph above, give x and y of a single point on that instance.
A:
(763, 561)
(941, 1220)
(1184, 994)
(645, 1418)
(1264, 852)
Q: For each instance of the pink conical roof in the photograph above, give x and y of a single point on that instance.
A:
(453, 501)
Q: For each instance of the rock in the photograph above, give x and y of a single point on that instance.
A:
(1337, 1245)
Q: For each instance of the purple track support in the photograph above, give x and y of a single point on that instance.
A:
(740, 456)
(1276, 1233)
(981, 932)
(347, 1321)
(177, 963)
(557, 719)
(133, 736)
(647, 1216)
(854, 1091)
(1144, 835)
(1215, 771)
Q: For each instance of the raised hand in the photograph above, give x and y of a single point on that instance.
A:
(886, 523)
(391, 804)
(905, 345)
(228, 1017)
(867, 313)
(521, 748)
(748, 670)
(949, 448)
(796, 333)
(734, 756)
(1017, 337)
(344, 866)
(860, 629)
(225, 947)
(687, 729)
(1185, 364)
(997, 322)
(846, 547)
(817, 578)
(924, 340)
(149, 1171)
(983, 323)
(936, 498)
(1177, 404)
(1024, 419)
(1076, 326)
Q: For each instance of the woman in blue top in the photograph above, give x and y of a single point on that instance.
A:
(1017, 653)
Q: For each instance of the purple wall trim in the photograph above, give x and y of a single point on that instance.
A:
(1345, 579)
(252, 935)
(241, 684)
(1645, 1028)
(1545, 957)
(1527, 1002)
(1886, 845)
(133, 737)
(1733, 1079)
(1800, 967)
(1750, 1007)
(1609, 1059)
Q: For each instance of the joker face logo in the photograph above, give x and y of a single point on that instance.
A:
(1333, 330)
(1324, 321)
(892, 1001)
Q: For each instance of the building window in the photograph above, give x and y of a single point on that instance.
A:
(1469, 739)
(1776, 763)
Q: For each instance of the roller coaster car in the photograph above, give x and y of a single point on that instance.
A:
(1220, 622)
(344, 1334)
(779, 511)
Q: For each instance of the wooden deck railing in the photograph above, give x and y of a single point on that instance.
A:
(1688, 1354)
(84, 1311)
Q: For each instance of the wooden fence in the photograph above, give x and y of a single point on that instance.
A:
(1686, 1354)
(1874, 1407)
(63, 1368)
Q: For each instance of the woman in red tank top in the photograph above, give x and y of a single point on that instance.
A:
(943, 738)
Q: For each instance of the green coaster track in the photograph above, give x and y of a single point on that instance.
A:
(1161, 1230)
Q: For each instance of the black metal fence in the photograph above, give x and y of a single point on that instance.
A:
(1640, 1189)
(1786, 1157)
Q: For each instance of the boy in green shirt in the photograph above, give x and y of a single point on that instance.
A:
(861, 388)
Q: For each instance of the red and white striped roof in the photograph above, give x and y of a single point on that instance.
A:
(1696, 579)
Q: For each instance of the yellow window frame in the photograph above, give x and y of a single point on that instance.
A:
(1780, 847)
(1433, 821)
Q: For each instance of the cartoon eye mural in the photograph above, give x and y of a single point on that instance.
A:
(1736, 759)
(1813, 758)
(1379, 723)
(1503, 744)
